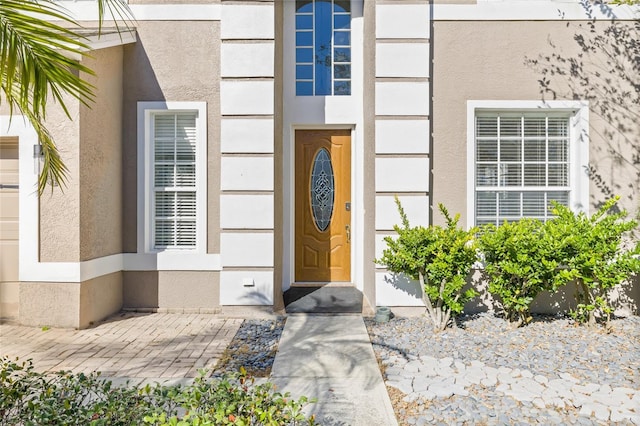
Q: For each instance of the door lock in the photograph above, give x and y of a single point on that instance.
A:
(348, 228)
(347, 206)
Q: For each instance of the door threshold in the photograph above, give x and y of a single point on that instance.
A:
(323, 284)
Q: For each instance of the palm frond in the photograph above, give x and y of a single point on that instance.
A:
(38, 41)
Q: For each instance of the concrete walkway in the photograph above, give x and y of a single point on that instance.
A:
(331, 359)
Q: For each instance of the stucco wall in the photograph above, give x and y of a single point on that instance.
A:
(171, 61)
(172, 290)
(50, 304)
(99, 298)
(70, 305)
(101, 158)
(81, 220)
(60, 206)
(493, 61)
(488, 61)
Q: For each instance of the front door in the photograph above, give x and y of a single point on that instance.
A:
(323, 205)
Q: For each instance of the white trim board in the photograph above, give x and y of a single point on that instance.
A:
(539, 10)
(76, 272)
(483, 11)
(88, 11)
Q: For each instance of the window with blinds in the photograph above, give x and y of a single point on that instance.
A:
(174, 180)
(522, 164)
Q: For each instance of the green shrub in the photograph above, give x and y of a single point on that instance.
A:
(521, 259)
(440, 258)
(594, 256)
(31, 398)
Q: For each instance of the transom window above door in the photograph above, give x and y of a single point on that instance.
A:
(323, 47)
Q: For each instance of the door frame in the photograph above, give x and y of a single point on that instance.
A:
(355, 201)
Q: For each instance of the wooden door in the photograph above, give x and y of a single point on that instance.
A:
(323, 205)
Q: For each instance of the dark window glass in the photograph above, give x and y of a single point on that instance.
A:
(342, 54)
(342, 22)
(342, 38)
(304, 56)
(304, 38)
(342, 6)
(304, 22)
(304, 88)
(342, 88)
(304, 72)
(304, 6)
(342, 71)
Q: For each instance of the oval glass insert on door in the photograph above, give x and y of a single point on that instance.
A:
(322, 189)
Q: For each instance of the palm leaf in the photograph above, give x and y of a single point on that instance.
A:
(38, 41)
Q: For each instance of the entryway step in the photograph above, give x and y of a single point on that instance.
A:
(323, 300)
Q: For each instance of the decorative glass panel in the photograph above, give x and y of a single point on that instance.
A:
(322, 189)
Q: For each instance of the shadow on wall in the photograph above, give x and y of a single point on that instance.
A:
(257, 298)
(404, 284)
(140, 83)
(140, 290)
(625, 298)
(605, 72)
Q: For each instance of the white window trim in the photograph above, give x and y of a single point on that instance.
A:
(145, 173)
(578, 149)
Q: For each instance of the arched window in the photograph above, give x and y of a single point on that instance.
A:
(323, 47)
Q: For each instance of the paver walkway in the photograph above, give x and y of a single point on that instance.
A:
(128, 345)
(325, 357)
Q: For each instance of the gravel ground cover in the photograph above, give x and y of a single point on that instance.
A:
(486, 373)
(549, 372)
(253, 347)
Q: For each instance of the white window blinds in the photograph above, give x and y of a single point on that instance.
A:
(174, 180)
(522, 164)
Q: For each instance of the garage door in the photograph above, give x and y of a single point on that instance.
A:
(9, 296)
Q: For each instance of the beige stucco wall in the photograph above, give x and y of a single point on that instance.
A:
(471, 63)
(99, 298)
(60, 206)
(9, 300)
(172, 290)
(81, 220)
(70, 305)
(171, 61)
(50, 304)
(101, 158)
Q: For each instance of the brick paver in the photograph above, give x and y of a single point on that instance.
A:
(132, 345)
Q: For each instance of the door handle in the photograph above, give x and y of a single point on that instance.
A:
(348, 228)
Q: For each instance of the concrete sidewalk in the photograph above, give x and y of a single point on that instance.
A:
(330, 358)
